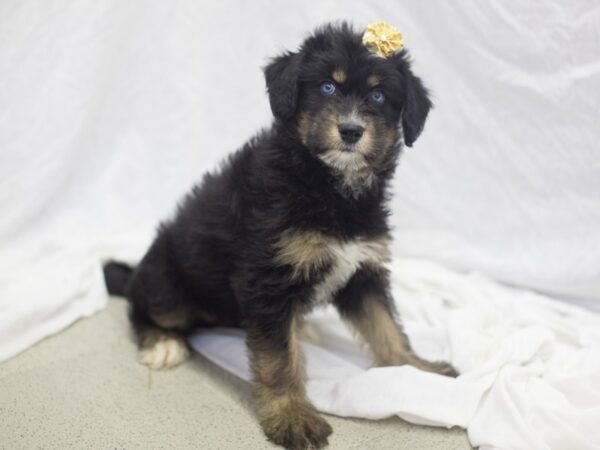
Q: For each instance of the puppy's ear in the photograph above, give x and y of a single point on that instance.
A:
(416, 103)
(281, 76)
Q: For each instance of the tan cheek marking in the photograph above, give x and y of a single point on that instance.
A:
(331, 132)
(390, 138)
(339, 76)
(333, 136)
(373, 80)
(379, 142)
(386, 154)
(303, 127)
(365, 145)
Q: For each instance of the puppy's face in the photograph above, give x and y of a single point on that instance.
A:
(348, 107)
(347, 116)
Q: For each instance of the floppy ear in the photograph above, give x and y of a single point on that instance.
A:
(282, 84)
(416, 103)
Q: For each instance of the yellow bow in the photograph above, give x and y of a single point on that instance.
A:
(382, 39)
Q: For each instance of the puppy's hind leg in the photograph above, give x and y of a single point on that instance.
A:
(160, 348)
(160, 309)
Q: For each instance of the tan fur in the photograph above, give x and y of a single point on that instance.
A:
(307, 333)
(339, 75)
(279, 370)
(303, 127)
(304, 250)
(150, 336)
(380, 246)
(332, 132)
(182, 318)
(178, 319)
(386, 339)
(347, 258)
(383, 157)
(293, 422)
(369, 155)
(380, 331)
(365, 145)
(352, 166)
(284, 412)
(373, 80)
(307, 251)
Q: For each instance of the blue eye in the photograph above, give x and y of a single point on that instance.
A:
(327, 89)
(377, 97)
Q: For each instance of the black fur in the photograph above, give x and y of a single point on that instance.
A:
(417, 103)
(215, 261)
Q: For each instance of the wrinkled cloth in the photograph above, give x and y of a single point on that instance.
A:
(530, 365)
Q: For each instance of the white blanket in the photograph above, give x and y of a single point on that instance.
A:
(530, 366)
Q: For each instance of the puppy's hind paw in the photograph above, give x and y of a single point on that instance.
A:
(164, 351)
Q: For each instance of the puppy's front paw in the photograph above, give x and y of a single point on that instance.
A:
(297, 426)
(445, 369)
(440, 367)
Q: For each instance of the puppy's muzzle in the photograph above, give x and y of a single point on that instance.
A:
(350, 132)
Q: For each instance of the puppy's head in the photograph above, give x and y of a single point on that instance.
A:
(346, 105)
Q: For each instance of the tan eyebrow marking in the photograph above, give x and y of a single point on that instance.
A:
(373, 80)
(339, 75)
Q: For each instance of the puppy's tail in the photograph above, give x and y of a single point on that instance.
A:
(116, 277)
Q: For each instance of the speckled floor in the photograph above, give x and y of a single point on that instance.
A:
(84, 389)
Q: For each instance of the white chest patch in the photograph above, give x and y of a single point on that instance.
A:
(346, 258)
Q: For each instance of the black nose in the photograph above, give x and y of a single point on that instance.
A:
(350, 132)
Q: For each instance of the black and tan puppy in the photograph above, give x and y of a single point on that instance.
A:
(295, 219)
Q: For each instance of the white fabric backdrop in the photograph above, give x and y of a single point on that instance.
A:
(110, 110)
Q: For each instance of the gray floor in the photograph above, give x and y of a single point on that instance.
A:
(84, 389)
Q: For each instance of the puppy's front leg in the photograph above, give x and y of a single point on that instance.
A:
(286, 416)
(365, 303)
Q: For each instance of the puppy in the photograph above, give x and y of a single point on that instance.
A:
(295, 219)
